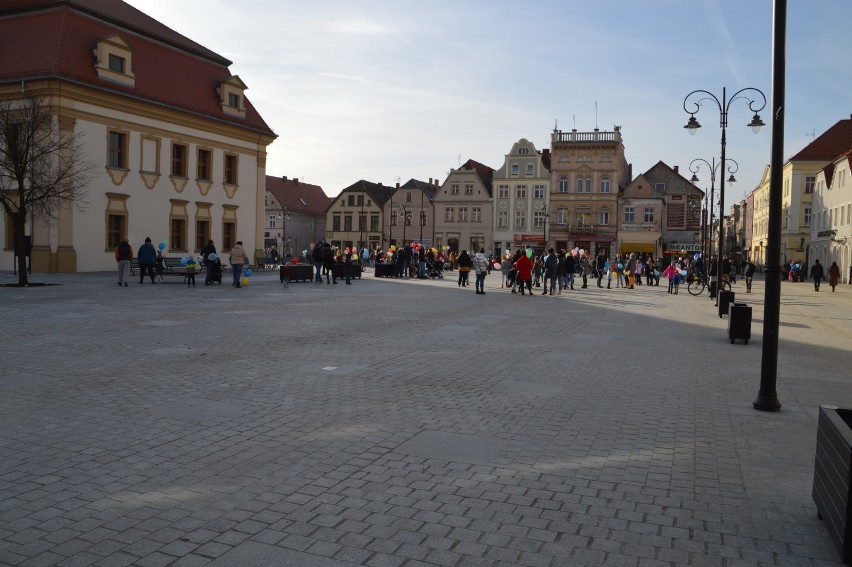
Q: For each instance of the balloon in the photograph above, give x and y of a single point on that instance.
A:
(574, 252)
(497, 266)
(582, 251)
(697, 256)
(683, 272)
(212, 257)
(248, 272)
(244, 280)
(529, 252)
(294, 260)
(183, 261)
(346, 250)
(162, 245)
(393, 246)
(606, 265)
(620, 266)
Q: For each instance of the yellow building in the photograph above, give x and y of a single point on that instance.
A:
(179, 152)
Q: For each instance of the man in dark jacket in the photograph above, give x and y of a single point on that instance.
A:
(817, 274)
(123, 255)
(317, 257)
(209, 262)
(147, 260)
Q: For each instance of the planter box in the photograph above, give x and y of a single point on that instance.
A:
(296, 273)
(384, 270)
(833, 476)
(339, 273)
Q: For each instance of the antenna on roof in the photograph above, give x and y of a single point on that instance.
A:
(574, 120)
(812, 133)
(596, 115)
(459, 161)
(555, 125)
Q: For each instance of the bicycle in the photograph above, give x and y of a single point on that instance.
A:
(699, 284)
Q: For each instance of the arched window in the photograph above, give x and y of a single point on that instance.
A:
(605, 184)
(563, 184)
(588, 184)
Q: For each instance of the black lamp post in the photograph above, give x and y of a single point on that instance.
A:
(404, 212)
(713, 166)
(284, 215)
(755, 105)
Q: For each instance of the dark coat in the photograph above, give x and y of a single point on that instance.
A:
(147, 254)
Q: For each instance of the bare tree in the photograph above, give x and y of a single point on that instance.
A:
(41, 168)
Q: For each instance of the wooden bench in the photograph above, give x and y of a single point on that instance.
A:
(173, 267)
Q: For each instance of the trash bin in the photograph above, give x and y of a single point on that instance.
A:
(739, 322)
(725, 299)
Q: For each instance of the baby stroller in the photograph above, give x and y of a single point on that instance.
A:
(434, 269)
(216, 273)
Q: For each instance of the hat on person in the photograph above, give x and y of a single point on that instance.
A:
(147, 239)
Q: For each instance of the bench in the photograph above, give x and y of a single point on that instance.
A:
(173, 267)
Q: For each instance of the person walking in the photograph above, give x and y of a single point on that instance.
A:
(524, 267)
(599, 267)
(551, 263)
(749, 274)
(670, 272)
(817, 274)
(570, 268)
(347, 267)
(480, 268)
(208, 249)
(465, 264)
(237, 259)
(328, 264)
(833, 275)
(147, 260)
(123, 255)
(630, 270)
(560, 270)
(316, 256)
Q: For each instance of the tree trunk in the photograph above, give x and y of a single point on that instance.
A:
(19, 223)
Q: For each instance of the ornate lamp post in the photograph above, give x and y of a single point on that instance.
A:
(284, 215)
(404, 212)
(695, 99)
(713, 166)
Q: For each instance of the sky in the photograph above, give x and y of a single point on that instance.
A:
(389, 90)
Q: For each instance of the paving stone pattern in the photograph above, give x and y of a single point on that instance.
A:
(405, 423)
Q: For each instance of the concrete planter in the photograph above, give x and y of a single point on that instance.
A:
(832, 490)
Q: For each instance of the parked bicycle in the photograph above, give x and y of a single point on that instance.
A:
(699, 283)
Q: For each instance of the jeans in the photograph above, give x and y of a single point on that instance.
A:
(318, 266)
(480, 281)
(569, 280)
(421, 269)
(238, 272)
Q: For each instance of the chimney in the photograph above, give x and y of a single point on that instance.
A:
(397, 184)
(675, 168)
(430, 181)
(296, 180)
(285, 178)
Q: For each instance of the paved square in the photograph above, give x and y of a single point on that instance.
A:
(407, 423)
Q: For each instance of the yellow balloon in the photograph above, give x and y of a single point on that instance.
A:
(244, 281)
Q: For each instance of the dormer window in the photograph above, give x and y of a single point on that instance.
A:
(113, 61)
(232, 96)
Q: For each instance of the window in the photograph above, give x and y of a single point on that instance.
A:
(475, 214)
(603, 218)
(374, 223)
(408, 217)
(538, 191)
(178, 160)
(462, 214)
(605, 184)
(562, 216)
(350, 200)
(629, 214)
(810, 181)
(539, 219)
(407, 198)
(117, 151)
(503, 192)
(116, 229)
(362, 221)
(116, 63)
(580, 184)
(347, 223)
(202, 234)
(807, 217)
(523, 151)
(422, 218)
(271, 221)
(521, 192)
(393, 218)
(468, 189)
(584, 185)
(515, 169)
(203, 166)
(659, 186)
(229, 235)
(177, 234)
(335, 222)
(230, 176)
(584, 219)
(233, 100)
(450, 214)
(520, 219)
(454, 189)
(588, 184)
(530, 169)
(503, 219)
(563, 184)
(649, 214)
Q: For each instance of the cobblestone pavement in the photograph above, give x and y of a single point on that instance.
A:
(403, 423)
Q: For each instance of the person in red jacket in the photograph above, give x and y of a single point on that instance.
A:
(524, 267)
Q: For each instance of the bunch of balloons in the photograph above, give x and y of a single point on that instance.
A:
(162, 245)
(246, 275)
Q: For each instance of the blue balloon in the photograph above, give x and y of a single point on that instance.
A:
(162, 245)
(183, 261)
(248, 272)
(697, 256)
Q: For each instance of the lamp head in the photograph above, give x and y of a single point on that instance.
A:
(756, 123)
(694, 179)
(732, 179)
(692, 125)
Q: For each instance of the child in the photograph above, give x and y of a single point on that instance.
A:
(160, 266)
(347, 267)
(671, 272)
(190, 272)
(608, 266)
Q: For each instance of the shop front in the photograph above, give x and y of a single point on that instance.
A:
(675, 250)
(533, 241)
(593, 244)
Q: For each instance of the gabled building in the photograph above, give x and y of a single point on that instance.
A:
(179, 150)
(588, 171)
(295, 215)
(521, 199)
(660, 214)
(831, 229)
(354, 219)
(760, 220)
(463, 209)
(410, 213)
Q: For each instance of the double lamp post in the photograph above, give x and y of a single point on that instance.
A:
(707, 225)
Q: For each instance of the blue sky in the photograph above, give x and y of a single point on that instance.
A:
(390, 90)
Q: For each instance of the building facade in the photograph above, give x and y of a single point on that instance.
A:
(681, 233)
(463, 209)
(410, 213)
(178, 149)
(354, 219)
(831, 229)
(588, 169)
(521, 199)
(295, 215)
(639, 219)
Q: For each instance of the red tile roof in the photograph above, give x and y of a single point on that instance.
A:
(297, 196)
(486, 174)
(54, 39)
(829, 144)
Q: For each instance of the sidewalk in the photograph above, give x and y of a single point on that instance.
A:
(407, 422)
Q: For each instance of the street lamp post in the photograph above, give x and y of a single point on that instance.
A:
(284, 214)
(713, 166)
(695, 100)
(403, 211)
